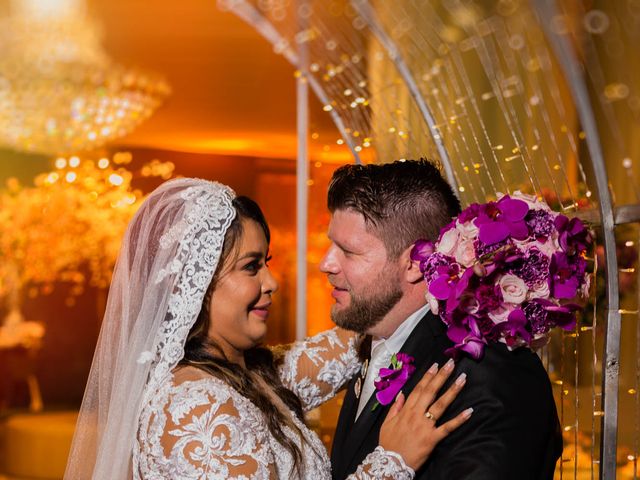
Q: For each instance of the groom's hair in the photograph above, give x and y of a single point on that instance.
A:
(401, 202)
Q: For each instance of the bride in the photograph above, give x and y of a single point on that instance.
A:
(179, 386)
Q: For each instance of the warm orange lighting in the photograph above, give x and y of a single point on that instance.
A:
(116, 179)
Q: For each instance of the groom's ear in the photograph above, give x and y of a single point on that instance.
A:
(412, 271)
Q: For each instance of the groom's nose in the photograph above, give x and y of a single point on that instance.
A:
(328, 264)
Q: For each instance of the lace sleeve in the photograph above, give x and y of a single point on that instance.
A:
(213, 432)
(316, 368)
(382, 464)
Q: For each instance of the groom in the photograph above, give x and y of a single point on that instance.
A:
(378, 212)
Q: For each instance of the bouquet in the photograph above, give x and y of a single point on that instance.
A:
(505, 271)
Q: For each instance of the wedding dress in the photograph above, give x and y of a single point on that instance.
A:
(144, 418)
(198, 427)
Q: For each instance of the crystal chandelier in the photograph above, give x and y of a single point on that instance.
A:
(59, 91)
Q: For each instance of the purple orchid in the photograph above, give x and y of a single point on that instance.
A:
(444, 281)
(391, 380)
(573, 235)
(515, 328)
(467, 338)
(422, 250)
(499, 220)
(563, 280)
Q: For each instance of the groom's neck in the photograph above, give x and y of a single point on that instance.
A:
(408, 304)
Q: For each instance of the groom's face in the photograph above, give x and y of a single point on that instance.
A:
(366, 285)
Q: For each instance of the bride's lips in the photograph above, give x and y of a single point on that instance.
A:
(261, 311)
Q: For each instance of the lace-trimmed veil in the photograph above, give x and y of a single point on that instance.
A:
(168, 257)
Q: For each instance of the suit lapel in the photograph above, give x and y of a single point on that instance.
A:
(420, 345)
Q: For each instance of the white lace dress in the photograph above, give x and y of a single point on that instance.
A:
(198, 427)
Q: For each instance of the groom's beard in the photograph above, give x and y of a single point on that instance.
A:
(366, 311)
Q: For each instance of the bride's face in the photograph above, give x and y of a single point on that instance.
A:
(240, 303)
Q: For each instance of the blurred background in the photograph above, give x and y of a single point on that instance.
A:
(102, 100)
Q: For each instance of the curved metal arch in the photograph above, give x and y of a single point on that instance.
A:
(253, 17)
(366, 11)
(547, 11)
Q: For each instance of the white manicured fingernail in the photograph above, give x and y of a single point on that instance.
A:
(461, 379)
(433, 368)
(467, 413)
(449, 365)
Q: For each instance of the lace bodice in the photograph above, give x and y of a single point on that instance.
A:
(195, 426)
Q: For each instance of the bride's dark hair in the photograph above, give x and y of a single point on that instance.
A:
(259, 360)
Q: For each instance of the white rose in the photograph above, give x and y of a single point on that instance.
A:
(465, 253)
(539, 291)
(468, 230)
(514, 290)
(433, 303)
(500, 315)
(448, 242)
(531, 200)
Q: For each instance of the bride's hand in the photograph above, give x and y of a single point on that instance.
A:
(410, 427)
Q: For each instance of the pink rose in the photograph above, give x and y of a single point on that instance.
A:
(468, 230)
(499, 315)
(539, 291)
(514, 290)
(465, 253)
(448, 242)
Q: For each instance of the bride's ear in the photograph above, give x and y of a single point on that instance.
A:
(412, 271)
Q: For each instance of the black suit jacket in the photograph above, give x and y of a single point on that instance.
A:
(513, 433)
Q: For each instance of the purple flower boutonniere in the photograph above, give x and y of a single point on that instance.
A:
(391, 380)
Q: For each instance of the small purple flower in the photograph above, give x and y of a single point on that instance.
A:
(540, 223)
(536, 314)
(483, 249)
(534, 267)
(499, 220)
(391, 380)
(489, 296)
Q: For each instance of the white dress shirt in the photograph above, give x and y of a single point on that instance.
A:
(383, 349)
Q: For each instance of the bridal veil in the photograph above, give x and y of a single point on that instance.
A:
(168, 257)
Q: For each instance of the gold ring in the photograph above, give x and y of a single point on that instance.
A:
(430, 416)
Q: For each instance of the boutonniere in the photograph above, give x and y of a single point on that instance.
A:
(391, 380)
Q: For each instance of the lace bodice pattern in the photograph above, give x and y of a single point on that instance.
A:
(195, 426)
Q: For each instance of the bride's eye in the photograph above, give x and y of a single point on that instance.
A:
(252, 267)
